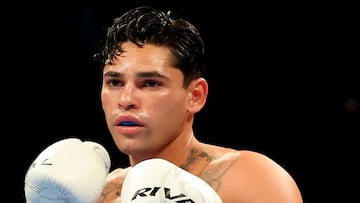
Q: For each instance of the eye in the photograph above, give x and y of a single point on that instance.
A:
(114, 82)
(151, 83)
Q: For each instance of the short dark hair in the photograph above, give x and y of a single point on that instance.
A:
(147, 25)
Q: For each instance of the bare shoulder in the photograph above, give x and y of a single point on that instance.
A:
(249, 176)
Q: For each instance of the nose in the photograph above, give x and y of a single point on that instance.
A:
(128, 99)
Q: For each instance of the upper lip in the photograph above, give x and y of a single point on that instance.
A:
(127, 120)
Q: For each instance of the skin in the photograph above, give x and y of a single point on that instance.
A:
(142, 86)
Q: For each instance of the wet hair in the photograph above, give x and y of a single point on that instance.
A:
(147, 25)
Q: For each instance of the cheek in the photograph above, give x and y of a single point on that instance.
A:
(106, 106)
(170, 116)
(172, 105)
(105, 100)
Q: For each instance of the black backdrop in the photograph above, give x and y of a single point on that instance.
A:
(282, 78)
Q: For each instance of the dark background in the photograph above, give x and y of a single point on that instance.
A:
(283, 81)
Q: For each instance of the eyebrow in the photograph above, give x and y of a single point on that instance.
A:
(140, 74)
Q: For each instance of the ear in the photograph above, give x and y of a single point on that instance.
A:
(198, 95)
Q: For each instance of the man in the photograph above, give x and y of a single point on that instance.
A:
(153, 85)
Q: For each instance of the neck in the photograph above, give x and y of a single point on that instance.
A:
(176, 152)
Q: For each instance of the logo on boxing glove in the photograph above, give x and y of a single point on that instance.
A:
(153, 191)
(170, 184)
(45, 162)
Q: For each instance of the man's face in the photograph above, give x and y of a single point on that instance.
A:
(143, 98)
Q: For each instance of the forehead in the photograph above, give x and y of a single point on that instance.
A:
(147, 58)
(147, 55)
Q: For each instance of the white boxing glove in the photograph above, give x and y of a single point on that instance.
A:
(159, 181)
(68, 171)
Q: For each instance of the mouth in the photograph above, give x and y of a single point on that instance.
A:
(128, 123)
(129, 126)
